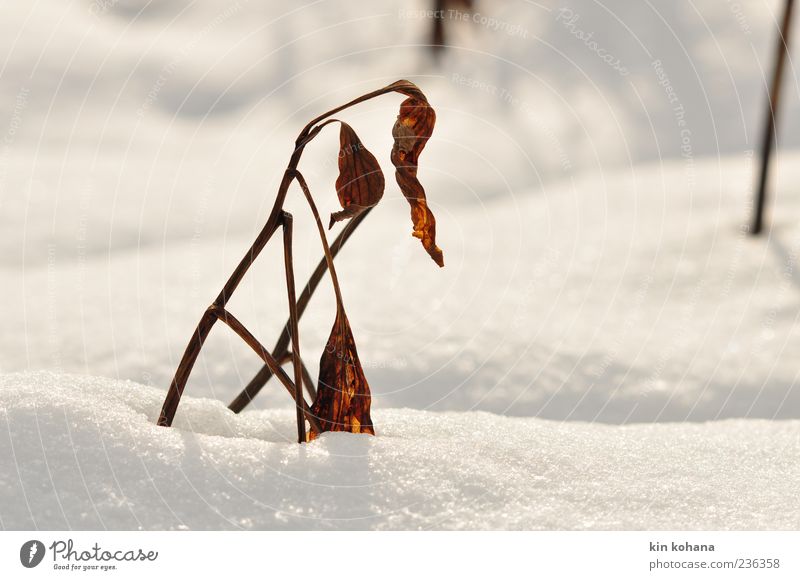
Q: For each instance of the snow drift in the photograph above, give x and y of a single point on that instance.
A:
(84, 453)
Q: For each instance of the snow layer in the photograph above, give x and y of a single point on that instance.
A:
(84, 453)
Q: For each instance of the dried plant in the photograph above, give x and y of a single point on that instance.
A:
(341, 399)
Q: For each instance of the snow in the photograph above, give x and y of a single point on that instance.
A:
(605, 348)
(86, 454)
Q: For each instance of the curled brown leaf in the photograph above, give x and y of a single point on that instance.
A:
(411, 132)
(343, 396)
(360, 183)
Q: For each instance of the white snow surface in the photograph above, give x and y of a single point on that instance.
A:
(83, 452)
(605, 348)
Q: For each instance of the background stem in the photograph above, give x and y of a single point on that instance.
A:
(770, 120)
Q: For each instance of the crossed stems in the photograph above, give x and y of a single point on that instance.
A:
(217, 311)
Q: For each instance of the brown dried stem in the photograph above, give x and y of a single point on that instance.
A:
(281, 346)
(240, 329)
(323, 238)
(295, 330)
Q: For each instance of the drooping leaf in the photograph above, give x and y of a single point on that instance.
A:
(411, 132)
(343, 397)
(360, 183)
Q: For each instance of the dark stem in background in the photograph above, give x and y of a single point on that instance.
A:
(772, 113)
(438, 36)
(437, 32)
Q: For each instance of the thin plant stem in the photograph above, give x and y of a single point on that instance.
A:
(262, 352)
(295, 331)
(282, 344)
(323, 238)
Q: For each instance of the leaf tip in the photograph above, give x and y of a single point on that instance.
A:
(438, 256)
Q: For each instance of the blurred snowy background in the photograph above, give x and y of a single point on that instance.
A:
(591, 171)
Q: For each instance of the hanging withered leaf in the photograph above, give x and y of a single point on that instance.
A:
(411, 132)
(360, 183)
(343, 397)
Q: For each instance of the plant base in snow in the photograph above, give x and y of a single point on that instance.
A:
(341, 399)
